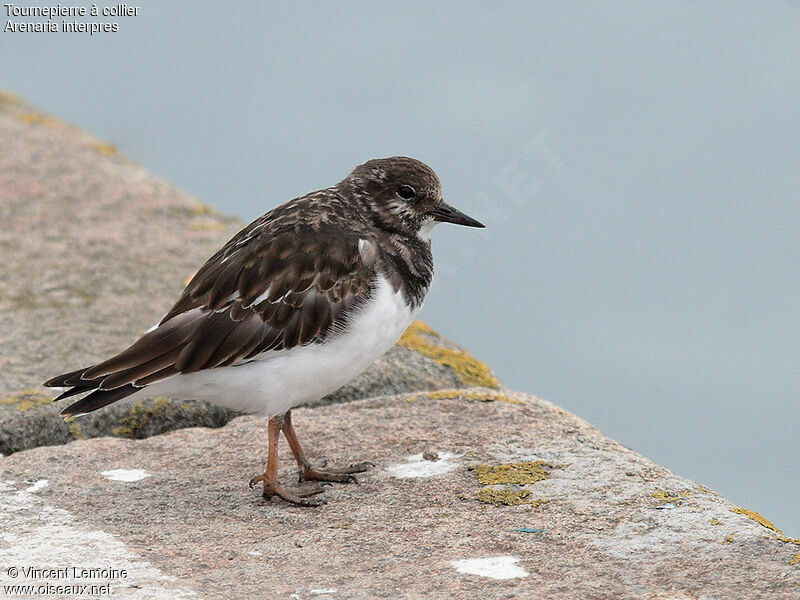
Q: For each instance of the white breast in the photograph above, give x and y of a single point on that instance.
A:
(276, 382)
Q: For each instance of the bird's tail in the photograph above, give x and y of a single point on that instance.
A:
(97, 398)
(153, 357)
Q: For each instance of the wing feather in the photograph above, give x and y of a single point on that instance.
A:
(306, 282)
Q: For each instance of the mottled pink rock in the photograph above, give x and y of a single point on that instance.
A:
(612, 525)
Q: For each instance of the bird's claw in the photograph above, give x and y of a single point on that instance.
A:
(339, 475)
(272, 489)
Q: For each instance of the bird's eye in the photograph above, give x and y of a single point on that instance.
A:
(406, 192)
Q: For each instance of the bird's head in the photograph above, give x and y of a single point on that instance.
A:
(404, 194)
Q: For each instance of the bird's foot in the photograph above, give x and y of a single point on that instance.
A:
(338, 475)
(272, 489)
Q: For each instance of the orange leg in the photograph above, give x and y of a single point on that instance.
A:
(308, 472)
(270, 476)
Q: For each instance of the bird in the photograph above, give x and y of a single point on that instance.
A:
(291, 308)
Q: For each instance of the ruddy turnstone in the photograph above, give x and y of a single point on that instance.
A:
(294, 306)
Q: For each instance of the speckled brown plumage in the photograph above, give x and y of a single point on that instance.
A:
(292, 277)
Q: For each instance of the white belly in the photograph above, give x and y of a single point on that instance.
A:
(278, 381)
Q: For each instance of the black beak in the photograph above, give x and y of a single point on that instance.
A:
(447, 214)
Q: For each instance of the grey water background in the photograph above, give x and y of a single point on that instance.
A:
(636, 165)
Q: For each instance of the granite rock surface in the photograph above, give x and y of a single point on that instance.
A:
(474, 494)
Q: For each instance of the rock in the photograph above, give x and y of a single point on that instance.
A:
(571, 513)
(95, 250)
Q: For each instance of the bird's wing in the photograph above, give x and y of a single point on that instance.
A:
(265, 290)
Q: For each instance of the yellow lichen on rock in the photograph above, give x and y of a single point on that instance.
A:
(506, 497)
(204, 210)
(513, 473)
(487, 396)
(104, 148)
(764, 522)
(138, 417)
(76, 431)
(196, 210)
(665, 496)
(784, 538)
(207, 224)
(38, 118)
(753, 515)
(9, 98)
(27, 399)
(469, 369)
